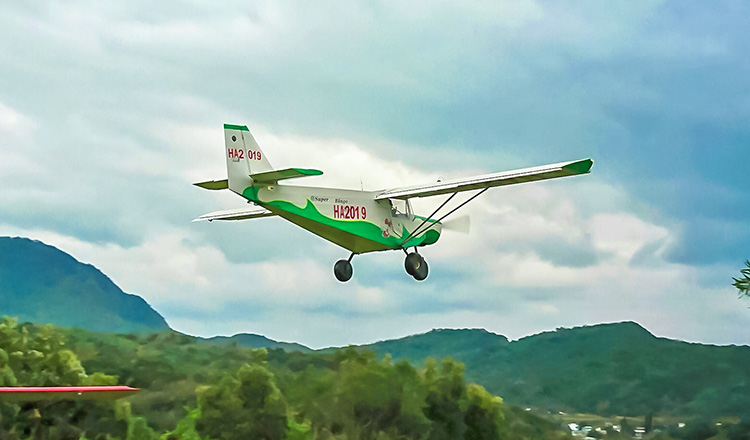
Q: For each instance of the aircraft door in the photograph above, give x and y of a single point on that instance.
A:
(401, 213)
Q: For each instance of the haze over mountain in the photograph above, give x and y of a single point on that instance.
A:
(42, 284)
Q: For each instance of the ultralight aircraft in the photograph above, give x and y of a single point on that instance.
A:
(359, 221)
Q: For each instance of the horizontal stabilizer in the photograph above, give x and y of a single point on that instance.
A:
(214, 184)
(553, 171)
(236, 214)
(288, 173)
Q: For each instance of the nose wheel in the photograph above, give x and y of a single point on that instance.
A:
(343, 269)
(416, 266)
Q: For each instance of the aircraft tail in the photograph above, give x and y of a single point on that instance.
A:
(244, 157)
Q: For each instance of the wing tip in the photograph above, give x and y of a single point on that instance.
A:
(580, 166)
(213, 184)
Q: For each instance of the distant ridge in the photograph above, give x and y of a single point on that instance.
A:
(438, 343)
(618, 369)
(256, 341)
(42, 284)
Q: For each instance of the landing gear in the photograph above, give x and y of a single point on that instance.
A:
(416, 266)
(343, 269)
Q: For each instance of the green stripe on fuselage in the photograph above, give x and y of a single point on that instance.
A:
(358, 236)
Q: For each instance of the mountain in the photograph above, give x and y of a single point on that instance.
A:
(458, 343)
(40, 283)
(605, 369)
(256, 341)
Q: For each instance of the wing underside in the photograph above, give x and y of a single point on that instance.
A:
(236, 214)
(553, 171)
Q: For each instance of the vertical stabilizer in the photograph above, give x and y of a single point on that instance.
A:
(244, 157)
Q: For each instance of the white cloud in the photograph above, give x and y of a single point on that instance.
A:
(109, 113)
(623, 234)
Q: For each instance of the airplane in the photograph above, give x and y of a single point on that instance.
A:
(33, 394)
(358, 221)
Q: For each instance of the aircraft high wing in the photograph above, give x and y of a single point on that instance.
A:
(562, 169)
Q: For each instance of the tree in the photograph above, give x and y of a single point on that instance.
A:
(743, 283)
(37, 356)
(484, 415)
(446, 395)
(245, 405)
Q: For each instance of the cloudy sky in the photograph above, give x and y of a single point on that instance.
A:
(108, 113)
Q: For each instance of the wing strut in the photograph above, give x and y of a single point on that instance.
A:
(416, 230)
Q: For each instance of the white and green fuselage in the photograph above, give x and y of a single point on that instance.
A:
(352, 219)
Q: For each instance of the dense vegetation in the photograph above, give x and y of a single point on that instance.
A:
(609, 369)
(196, 390)
(615, 369)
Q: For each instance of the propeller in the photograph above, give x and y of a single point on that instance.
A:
(459, 224)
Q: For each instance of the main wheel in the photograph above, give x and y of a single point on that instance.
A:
(343, 270)
(422, 271)
(412, 263)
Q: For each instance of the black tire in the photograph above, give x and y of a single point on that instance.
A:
(412, 263)
(422, 271)
(343, 270)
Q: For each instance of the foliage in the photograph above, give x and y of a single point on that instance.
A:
(186, 428)
(245, 405)
(138, 429)
(38, 356)
(743, 283)
(604, 369)
(200, 391)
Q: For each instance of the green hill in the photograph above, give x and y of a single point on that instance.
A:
(604, 369)
(203, 390)
(256, 341)
(458, 343)
(40, 283)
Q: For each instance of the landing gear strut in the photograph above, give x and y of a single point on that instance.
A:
(416, 266)
(343, 269)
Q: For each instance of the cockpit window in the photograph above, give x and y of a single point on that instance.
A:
(401, 208)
